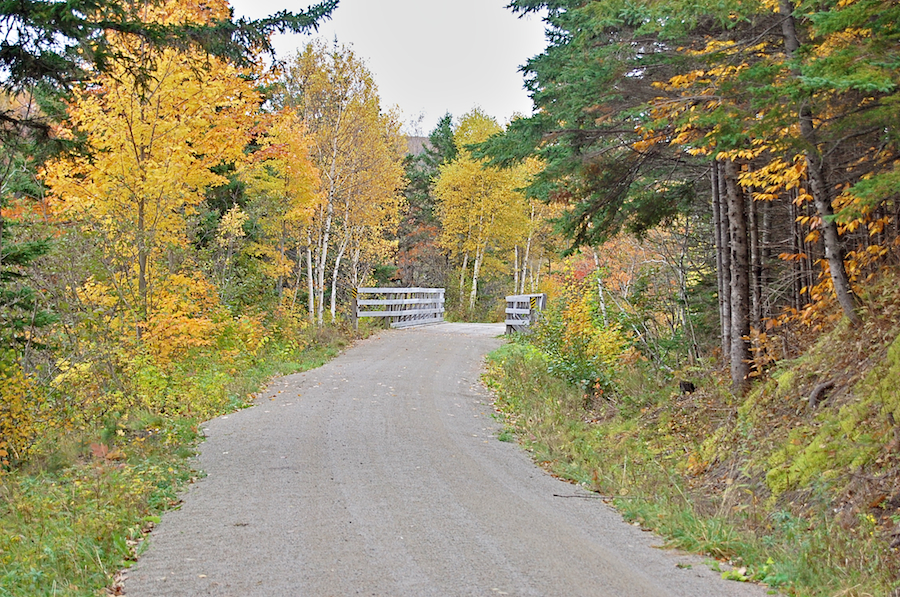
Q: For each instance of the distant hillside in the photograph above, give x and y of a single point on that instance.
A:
(416, 145)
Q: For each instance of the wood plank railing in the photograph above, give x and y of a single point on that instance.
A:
(522, 311)
(404, 307)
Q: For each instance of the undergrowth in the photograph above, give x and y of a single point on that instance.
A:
(803, 501)
(75, 510)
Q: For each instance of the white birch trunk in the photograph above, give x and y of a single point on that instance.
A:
(355, 255)
(536, 273)
(334, 276)
(310, 283)
(299, 277)
(476, 269)
(527, 255)
(516, 270)
(321, 258)
(462, 277)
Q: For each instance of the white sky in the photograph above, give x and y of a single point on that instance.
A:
(429, 57)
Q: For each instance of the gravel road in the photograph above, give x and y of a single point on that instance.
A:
(381, 474)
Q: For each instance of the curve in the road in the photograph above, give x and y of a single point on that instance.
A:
(380, 474)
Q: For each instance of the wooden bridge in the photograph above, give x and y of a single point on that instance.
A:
(403, 307)
(406, 307)
(522, 311)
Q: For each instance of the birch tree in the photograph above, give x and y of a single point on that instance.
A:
(356, 147)
(282, 184)
(481, 209)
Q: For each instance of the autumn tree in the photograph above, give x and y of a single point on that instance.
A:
(283, 195)
(482, 211)
(645, 113)
(152, 152)
(47, 47)
(358, 151)
(64, 43)
(803, 136)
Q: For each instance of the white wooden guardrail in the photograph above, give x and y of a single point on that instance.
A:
(522, 311)
(404, 307)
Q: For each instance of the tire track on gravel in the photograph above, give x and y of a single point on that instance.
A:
(380, 474)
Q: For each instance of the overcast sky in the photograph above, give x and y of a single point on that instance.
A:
(429, 57)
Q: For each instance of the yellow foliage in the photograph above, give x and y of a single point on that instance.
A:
(17, 410)
(282, 173)
(358, 150)
(181, 318)
(153, 146)
(481, 206)
(605, 344)
(231, 225)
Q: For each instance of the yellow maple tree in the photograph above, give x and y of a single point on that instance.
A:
(153, 138)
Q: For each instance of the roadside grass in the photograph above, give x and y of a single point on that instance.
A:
(77, 510)
(648, 453)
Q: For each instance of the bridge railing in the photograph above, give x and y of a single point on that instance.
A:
(522, 311)
(403, 307)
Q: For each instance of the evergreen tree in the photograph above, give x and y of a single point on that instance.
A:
(58, 42)
(20, 309)
(420, 259)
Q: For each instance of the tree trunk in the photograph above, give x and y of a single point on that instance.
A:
(755, 266)
(600, 293)
(536, 272)
(355, 254)
(834, 250)
(299, 277)
(462, 277)
(142, 271)
(527, 250)
(797, 247)
(310, 282)
(334, 277)
(476, 269)
(765, 256)
(279, 282)
(723, 257)
(740, 281)
(516, 270)
(322, 256)
(325, 238)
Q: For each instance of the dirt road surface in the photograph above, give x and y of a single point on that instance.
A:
(381, 474)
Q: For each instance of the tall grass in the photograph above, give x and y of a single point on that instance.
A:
(635, 451)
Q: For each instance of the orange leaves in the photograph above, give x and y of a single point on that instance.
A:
(153, 152)
(878, 225)
(766, 349)
(793, 256)
(180, 318)
(865, 258)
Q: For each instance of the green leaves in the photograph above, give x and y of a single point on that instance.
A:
(52, 40)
